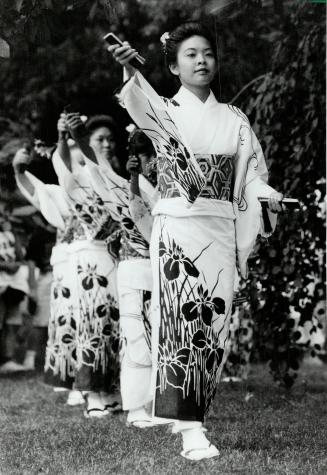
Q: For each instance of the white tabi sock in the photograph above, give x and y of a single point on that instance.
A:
(94, 401)
(194, 439)
(139, 414)
(29, 360)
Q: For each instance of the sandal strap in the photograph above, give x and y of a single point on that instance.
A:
(196, 449)
(95, 409)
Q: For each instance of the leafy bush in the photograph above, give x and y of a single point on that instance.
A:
(288, 111)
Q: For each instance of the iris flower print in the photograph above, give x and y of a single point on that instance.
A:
(178, 155)
(59, 288)
(203, 307)
(176, 260)
(213, 355)
(91, 277)
(173, 364)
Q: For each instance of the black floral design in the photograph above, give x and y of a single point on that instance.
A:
(199, 340)
(214, 357)
(173, 365)
(178, 154)
(59, 289)
(204, 306)
(98, 328)
(169, 145)
(176, 260)
(190, 347)
(91, 277)
(60, 358)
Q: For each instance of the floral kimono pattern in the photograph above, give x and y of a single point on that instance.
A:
(211, 172)
(134, 287)
(194, 316)
(60, 357)
(93, 268)
(114, 193)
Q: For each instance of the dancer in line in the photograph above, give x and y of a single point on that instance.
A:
(211, 172)
(135, 285)
(51, 201)
(134, 277)
(93, 262)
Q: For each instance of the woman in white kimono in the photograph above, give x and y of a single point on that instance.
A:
(134, 276)
(51, 201)
(93, 262)
(135, 285)
(211, 172)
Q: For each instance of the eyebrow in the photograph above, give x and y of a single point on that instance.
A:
(195, 49)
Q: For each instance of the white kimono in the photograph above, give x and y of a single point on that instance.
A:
(134, 280)
(211, 171)
(60, 358)
(93, 273)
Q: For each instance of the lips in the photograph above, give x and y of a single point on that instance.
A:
(203, 70)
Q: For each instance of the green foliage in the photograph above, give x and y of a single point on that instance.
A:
(288, 110)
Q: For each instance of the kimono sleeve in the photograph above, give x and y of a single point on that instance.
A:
(77, 185)
(31, 198)
(150, 113)
(251, 182)
(112, 188)
(50, 201)
(141, 216)
(60, 168)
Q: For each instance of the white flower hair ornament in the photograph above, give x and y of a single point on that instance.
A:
(163, 40)
(131, 128)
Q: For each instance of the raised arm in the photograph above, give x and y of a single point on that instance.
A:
(63, 147)
(123, 55)
(133, 167)
(20, 162)
(79, 133)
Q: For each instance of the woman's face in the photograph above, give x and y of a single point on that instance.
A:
(196, 63)
(103, 143)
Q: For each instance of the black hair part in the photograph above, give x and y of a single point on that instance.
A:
(182, 33)
(140, 143)
(98, 121)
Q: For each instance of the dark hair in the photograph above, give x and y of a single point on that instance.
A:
(119, 135)
(182, 33)
(140, 143)
(98, 121)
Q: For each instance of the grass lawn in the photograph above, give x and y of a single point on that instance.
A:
(259, 428)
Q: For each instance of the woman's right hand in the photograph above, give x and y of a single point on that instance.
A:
(76, 126)
(123, 55)
(61, 124)
(133, 166)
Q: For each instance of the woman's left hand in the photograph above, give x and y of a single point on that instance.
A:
(275, 202)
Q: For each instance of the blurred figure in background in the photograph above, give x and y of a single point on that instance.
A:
(50, 200)
(16, 282)
(134, 281)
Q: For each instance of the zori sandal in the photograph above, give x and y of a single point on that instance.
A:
(199, 454)
(95, 412)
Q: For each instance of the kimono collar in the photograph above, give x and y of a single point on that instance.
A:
(185, 97)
